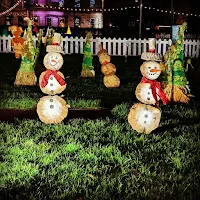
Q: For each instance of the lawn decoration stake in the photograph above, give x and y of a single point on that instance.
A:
(175, 83)
(108, 69)
(26, 73)
(17, 42)
(87, 66)
(52, 109)
(143, 117)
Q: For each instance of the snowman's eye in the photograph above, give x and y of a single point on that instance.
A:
(56, 57)
(149, 67)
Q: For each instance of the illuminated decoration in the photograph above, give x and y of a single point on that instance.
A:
(62, 23)
(26, 72)
(17, 42)
(87, 65)
(13, 7)
(115, 9)
(92, 3)
(77, 22)
(77, 4)
(108, 69)
(68, 30)
(146, 118)
(61, 3)
(5, 31)
(175, 82)
(52, 109)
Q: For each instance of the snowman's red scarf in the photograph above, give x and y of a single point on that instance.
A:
(105, 63)
(48, 73)
(156, 85)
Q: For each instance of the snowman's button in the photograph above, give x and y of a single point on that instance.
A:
(148, 99)
(148, 92)
(146, 116)
(51, 78)
(51, 100)
(51, 84)
(51, 106)
(145, 122)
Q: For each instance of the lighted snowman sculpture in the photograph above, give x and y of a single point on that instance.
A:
(52, 109)
(144, 117)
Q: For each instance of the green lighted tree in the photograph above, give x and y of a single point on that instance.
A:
(87, 66)
(26, 73)
(5, 31)
(175, 82)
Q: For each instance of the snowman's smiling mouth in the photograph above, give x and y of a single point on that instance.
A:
(153, 72)
(53, 62)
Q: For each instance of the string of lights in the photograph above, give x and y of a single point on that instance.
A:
(10, 9)
(115, 9)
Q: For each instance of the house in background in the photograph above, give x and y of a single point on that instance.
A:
(56, 13)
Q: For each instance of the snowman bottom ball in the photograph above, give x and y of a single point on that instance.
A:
(52, 109)
(144, 118)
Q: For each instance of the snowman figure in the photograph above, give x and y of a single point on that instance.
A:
(142, 116)
(52, 108)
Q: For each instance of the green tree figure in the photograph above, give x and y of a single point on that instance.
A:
(87, 66)
(26, 73)
(5, 31)
(174, 81)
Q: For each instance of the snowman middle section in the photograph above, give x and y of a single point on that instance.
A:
(52, 109)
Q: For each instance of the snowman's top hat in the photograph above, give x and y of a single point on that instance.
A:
(55, 45)
(151, 55)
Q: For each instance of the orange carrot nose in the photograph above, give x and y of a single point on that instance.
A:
(53, 60)
(154, 70)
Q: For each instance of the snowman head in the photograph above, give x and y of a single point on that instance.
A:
(151, 70)
(53, 61)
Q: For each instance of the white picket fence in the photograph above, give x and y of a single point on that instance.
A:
(115, 47)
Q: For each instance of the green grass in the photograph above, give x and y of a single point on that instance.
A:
(102, 159)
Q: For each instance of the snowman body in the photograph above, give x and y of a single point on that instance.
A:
(52, 109)
(143, 117)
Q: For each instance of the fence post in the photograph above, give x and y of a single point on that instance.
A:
(76, 45)
(114, 47)
(134, 47)
(4, 43)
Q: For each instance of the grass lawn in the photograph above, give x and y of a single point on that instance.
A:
(96, 159)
